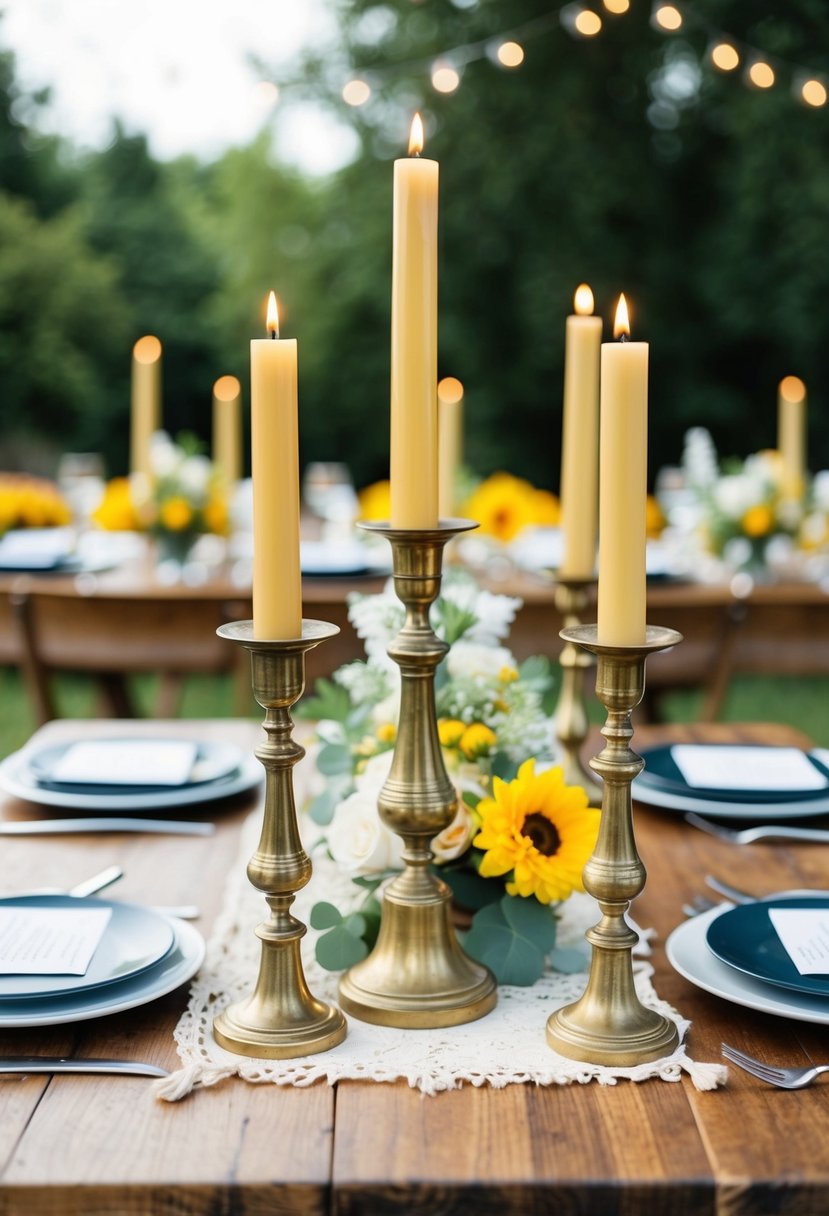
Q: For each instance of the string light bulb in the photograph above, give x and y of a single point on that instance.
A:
(356, 92)
(813, 92)
(724, 55)
(616, 6)
(667, 17)
(510, 54)
(445, 78)
(761, 74)
(587, 23)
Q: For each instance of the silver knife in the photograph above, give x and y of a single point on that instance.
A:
(50, 1064)
(49, 827)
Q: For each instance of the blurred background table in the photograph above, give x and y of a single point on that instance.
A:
(124, 621)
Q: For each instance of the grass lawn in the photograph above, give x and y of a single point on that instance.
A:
(803, 703)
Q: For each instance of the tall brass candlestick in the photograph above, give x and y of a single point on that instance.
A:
(571, 722)
(609, 1024)
(280, 1019)
(417, 975)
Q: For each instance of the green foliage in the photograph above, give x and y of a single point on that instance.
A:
(329, 701)
(347, 939)
(512, 938)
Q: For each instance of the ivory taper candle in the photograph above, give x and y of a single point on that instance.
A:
(450, 443)
(277, 586)
(791, 435)
(580, 438)
(145, 410)
(227, 428)
(623, 466)
(414, 305)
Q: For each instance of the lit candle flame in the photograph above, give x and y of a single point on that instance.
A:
(621, 325)
(583, 300)
(272, 322)
(416, 136)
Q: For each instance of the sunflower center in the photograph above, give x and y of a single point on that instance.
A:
(542, 833)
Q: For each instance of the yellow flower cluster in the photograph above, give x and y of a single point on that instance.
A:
(474, 741)
(119, 511)
(30, 502)
(503, 505)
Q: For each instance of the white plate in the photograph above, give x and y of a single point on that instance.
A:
(180, 965)
(134, 940)
(757, 811)
(688, 953)
(17, 778)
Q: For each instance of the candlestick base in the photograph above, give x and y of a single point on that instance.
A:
(571, 721)
(280, 1019)
(609, 1024)
(417, 975)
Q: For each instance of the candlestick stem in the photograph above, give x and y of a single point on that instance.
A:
(417, 974)
(280, 1019)
(609, 1024)
(571, 721)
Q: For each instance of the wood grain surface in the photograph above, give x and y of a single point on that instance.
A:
(105, 1145)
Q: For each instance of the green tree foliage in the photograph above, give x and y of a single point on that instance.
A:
(623, 160)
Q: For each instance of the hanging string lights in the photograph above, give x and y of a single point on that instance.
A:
(582, 20)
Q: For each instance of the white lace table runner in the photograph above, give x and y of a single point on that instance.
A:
(505, 1047)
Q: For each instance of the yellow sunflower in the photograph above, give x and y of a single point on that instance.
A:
(539, 829)
(503, 505)
(375, 501)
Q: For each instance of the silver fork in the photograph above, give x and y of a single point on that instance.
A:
(766, 832)
(783, 1078)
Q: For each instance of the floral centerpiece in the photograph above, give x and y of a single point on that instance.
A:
(182, 498)
(31, 502)
(741, 506)
(520, 837)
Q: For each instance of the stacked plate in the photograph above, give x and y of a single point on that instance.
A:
(45, 775)
(141, 956)
(664, 784)
(736, 953)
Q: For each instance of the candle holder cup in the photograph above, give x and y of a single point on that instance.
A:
(609, 1024)
(280, 1019)
(417, 975)
(570, 718)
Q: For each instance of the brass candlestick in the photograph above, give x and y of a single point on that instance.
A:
(280, 1019)
(609, 1024)
(571, 722)
(417, 975)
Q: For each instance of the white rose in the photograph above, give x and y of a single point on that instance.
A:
(163, 455)
(194, 475)
(455, 839)
(373, 776)
(357, 839)
(735, 493)
(475, 661)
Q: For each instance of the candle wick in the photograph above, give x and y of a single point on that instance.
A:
(273, 335)
(623, 337)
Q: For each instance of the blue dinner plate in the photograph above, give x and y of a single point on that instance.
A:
(663, 775)
(134, 940)
(745, 938)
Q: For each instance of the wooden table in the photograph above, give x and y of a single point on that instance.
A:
(124, 621)
(86, 1145)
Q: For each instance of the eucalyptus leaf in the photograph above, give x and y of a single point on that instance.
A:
(469, 889)
(339, 949)
(503, 766)
(355, 924)
(334, 759)
(568, 960)
(324, 916)
(512, 958)
(329, 700)
(532, 920)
